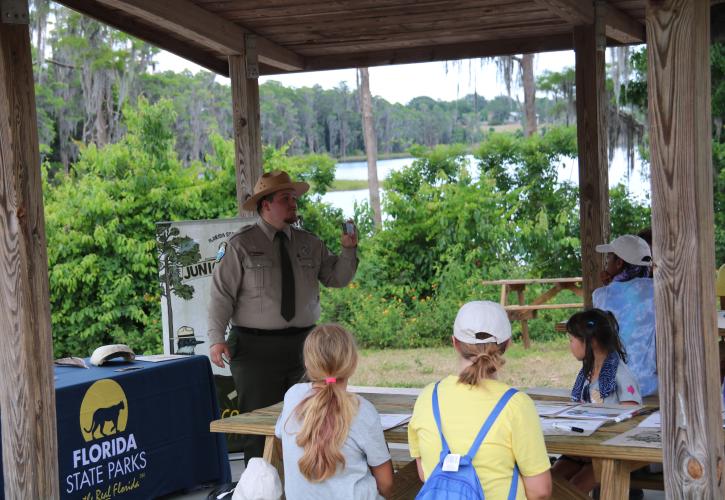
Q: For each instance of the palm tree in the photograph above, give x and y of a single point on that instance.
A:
(371, 143)
(506, 66)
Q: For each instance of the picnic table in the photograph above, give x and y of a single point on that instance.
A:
(523, 311)
(613, 464)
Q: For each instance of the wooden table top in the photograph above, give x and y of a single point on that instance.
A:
(262, 422)
(540, 281)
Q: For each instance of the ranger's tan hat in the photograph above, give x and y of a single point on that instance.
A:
(270, 182)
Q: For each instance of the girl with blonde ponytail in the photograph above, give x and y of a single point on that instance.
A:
(332, 441)
(511, 461)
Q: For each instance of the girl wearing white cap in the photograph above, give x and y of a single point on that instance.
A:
(511, 461)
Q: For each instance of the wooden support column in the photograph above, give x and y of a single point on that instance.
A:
(27, 395)
(244, 74)
(591, 117)
(678, 34)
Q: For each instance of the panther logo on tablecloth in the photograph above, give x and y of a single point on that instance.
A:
(104, 410)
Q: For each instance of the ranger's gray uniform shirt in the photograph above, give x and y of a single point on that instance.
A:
(246, 284)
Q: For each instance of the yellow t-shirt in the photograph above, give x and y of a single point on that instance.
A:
(720, 284)
(516, 434)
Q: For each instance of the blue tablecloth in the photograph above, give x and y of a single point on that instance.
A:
(137, 434)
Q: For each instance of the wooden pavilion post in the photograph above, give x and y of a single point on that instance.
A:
(244, 74)
(27, 395)
(683, 247)
(591, 116)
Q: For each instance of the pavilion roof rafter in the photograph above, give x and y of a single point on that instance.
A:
(619, 25)
(204, 30)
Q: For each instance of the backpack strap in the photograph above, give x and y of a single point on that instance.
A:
(487, 424)
(437, 415)
(468, 458)
(514, 483)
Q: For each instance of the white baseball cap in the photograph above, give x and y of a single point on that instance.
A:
(107, 352)
(482, 316)
(630, 248)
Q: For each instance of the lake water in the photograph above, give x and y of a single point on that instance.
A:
(568, 171)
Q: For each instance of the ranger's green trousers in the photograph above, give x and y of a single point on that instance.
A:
(264, 365)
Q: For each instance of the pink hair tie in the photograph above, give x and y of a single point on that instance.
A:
(330, 380)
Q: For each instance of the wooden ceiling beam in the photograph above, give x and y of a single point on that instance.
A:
(489, 48)
(204, 28)
(622, 27)
(143, 32)
(619, 25)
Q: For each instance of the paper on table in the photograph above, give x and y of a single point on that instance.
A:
(156, 358)
(390, 420)
(589, 426)
(643, 437)
(598, 412)
(551, 408)
(653, 420)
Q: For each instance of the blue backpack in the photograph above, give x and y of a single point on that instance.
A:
(463, 484)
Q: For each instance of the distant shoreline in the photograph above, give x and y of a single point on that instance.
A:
(381, 156)
(353, 185)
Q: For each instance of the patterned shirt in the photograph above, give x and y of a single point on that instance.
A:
(632, 303)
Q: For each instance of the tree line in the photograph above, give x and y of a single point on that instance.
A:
(85, 73)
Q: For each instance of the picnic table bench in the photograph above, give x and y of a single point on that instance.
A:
(523, 311)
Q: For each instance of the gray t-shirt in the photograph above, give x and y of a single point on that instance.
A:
(364, 447)
(627, 388)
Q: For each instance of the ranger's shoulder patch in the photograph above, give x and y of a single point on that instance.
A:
(222, 250)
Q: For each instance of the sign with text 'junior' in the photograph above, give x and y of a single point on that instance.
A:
(188, 252)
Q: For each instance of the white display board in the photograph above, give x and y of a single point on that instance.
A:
(187, 256)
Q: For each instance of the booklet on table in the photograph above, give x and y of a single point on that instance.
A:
(552, 408)
(391, 420)
(569, 426)
(592, 411)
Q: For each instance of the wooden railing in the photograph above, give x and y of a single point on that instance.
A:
(524, 312)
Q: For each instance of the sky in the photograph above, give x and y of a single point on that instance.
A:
(401, 83)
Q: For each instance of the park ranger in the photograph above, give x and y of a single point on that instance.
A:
(266, 283)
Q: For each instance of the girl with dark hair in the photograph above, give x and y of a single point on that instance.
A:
(604, 378)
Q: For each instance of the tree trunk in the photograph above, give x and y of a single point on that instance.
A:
(371, 145)
(169, 308)
(527, 71)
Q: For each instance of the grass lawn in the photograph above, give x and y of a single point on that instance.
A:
(544, 364)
